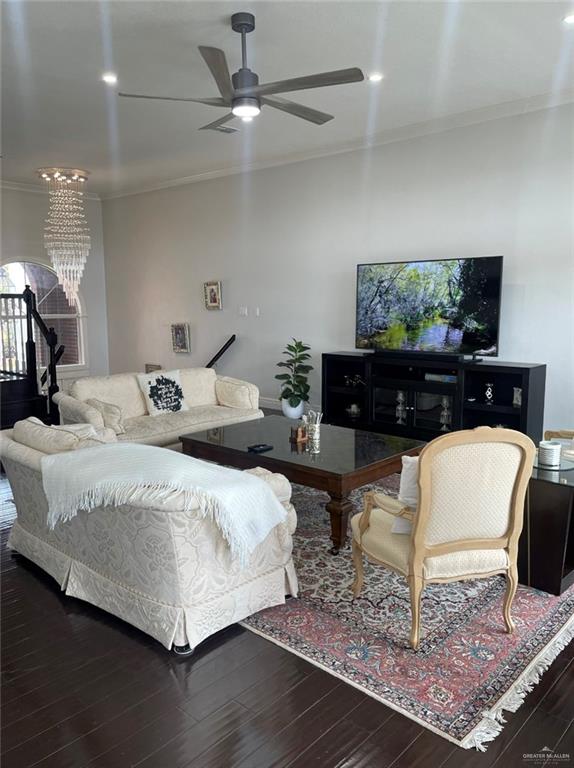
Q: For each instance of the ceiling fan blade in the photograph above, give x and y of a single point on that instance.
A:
(217, 63)
(338, 77)
(219, 125)
(215, 102)
(298, 110)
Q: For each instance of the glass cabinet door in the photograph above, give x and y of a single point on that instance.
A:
(433, 411)
(390, 405)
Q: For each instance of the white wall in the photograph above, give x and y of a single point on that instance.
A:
(287, 240)
(23, 215)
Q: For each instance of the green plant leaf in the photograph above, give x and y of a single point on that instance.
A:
(283, 376)
(294, 401)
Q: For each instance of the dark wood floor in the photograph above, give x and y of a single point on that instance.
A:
(80, 688)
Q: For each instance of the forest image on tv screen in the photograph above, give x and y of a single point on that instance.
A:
(437, 306)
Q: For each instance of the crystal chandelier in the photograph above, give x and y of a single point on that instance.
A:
(66, 234)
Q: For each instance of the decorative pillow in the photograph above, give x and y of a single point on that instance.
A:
(111, 414)
(408, 492)
(162, 392)
(57, 439)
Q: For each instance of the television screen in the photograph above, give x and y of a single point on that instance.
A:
(450, 306)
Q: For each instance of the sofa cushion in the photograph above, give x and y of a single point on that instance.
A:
(166, 429)
(121, 389)
(198, 386)
(162, 392)
(235, 393)
(58, 439)
(111, 414)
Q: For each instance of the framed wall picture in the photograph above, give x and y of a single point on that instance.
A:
(180, 337)
(212, 294)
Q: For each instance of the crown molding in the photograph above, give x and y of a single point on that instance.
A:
(501, 111)
(36, 189)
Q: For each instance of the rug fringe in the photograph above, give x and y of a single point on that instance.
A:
(493, 721)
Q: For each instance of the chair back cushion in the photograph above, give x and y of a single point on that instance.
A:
(471, 491)
(121, 389)
(198, 386)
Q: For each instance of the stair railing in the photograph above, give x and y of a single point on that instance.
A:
(223, 349)
(15, 334)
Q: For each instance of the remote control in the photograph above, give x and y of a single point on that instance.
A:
(259, 448)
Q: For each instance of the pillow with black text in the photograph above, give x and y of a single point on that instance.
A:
(162, 392)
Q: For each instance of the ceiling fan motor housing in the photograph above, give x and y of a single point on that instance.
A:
(245, 78)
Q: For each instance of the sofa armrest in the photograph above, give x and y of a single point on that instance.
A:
(73, 411)
(235, 393)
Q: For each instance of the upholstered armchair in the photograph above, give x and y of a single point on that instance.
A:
(472, 486)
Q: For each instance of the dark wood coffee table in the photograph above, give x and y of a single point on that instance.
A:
(348, 459)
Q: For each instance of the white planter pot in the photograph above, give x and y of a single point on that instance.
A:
(290, 412)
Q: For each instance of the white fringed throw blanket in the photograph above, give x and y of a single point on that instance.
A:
(243, 507)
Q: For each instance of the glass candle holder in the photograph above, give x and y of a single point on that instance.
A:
(314, 435)
(489, 393)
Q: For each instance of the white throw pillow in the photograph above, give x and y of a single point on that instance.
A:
(57, 439)
(111, 414)
(162, 392)
(408, 492)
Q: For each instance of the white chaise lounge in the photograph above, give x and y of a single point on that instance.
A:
(166, 570)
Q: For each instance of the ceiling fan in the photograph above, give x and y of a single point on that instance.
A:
(242, 91)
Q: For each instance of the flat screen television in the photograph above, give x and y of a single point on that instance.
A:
(449, 306)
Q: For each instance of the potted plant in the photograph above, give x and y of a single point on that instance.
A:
(294, 386)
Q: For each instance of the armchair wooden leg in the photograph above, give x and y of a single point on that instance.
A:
(511, 585)
(359, 573)
(416, 586)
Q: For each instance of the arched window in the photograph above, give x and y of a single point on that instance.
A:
(51, 303)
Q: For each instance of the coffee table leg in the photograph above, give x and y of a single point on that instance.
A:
(338, 508)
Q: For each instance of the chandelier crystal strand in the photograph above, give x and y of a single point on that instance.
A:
(66, 234)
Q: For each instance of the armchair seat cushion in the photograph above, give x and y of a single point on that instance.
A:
(167, 428)
(393, 549)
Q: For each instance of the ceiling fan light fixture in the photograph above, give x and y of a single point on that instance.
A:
(246, 106)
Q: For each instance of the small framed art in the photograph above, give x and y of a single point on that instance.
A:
(212, 294)
(180, 337)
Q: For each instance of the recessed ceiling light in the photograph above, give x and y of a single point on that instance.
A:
(110, 78)
(375, 77)
(247, 119)
(569, 19)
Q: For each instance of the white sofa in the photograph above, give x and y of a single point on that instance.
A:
(165, 570)
(213, 401)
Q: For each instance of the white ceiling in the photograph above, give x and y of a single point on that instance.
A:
(439, 60)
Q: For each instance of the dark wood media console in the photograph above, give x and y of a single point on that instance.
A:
(364, 390)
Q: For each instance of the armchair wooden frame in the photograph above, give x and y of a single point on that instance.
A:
(420, 550)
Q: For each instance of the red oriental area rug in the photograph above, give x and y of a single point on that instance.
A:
(467, 670)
